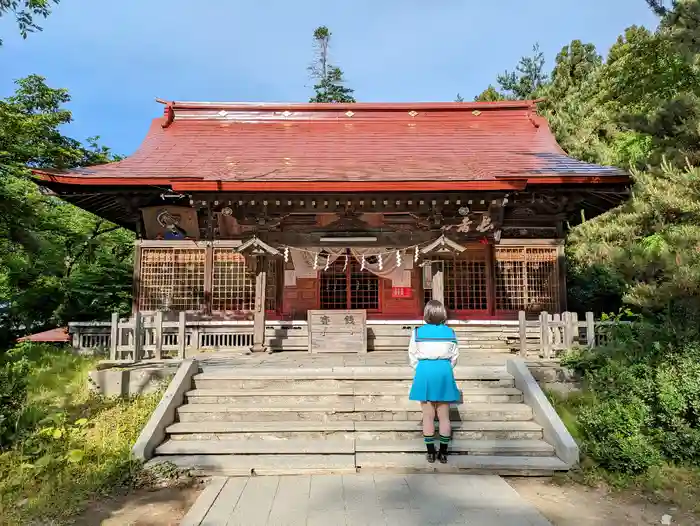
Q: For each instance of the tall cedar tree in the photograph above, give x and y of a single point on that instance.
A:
(328, 86)
(25, 12)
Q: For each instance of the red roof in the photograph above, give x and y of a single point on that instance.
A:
(51, 336)
(239, 146)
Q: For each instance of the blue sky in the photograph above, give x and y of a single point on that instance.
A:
(115, 57)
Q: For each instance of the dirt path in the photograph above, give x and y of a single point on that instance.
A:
(576, 505)
(163, 507)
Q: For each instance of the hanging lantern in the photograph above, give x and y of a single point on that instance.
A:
(398, 258)
(286, 254)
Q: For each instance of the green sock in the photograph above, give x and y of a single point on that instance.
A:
(429, 443)
(444, 443)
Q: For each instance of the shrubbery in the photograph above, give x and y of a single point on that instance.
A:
(13, 396)
(63, 444)
(642, 397)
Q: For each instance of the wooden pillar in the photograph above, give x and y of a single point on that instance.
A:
(158, 335)
(438, 281)
(259, 312)
(114, 336)
(136, 285)
(137, 333)
(182, 334)
(491, 279)
(208, 278)
(522, 329)
(590, 330)
(561, 268)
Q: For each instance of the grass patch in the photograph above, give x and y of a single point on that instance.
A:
(675, 485)
(71, 445)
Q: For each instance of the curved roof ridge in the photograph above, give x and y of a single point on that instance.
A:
(364, 106)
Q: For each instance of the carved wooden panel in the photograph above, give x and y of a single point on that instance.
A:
(337, 331)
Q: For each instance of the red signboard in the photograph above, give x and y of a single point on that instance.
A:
(401, 292)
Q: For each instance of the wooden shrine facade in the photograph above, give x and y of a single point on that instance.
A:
(484, 282)
(272, 210)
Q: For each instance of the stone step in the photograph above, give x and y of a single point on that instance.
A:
(403, 388)
(472, 430)
(329, 446)
(266, 397)
(244, 465)
(321, 384)
(341, 411)
(394, 395)
(469, 396)
(257, 447)
(362, 430)
(477, 464)
(527, 448)
(483, 372)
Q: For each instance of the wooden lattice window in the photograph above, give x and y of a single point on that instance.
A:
(345, 286)
(466, 282)
(171, 279)
(527, 278)
(233, 283)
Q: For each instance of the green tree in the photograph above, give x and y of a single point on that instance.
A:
(25, 12)
(328, 79)
(57, 262)
(528, 79)
(490, 94)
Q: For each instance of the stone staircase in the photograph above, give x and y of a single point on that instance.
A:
(273, 421)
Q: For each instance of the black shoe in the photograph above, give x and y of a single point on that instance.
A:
(431, 457)
(442, 457)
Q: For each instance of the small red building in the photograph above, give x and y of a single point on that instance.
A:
(347, 206)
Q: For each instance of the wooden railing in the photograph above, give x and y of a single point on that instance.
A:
(155, 337)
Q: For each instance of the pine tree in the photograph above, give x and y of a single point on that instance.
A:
(490, 94)
(528, 78)
(328, 86)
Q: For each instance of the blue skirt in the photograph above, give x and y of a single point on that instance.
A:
(434, 381)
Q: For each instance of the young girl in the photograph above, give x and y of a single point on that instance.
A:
(433, 353)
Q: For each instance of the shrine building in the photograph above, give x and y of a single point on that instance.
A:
(366, 206)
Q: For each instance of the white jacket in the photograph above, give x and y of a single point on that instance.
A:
(433, 342)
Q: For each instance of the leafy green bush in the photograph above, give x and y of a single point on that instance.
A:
(69, 445)
(644, 403)
(13, 397)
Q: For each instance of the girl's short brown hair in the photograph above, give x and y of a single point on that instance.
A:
(434, 313)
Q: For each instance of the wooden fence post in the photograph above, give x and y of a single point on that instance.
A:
(158, 333)
(545, 337)
(137, 333)
(182, 334)
(568, 332)
(114, 336)
(522, 325)
(575, 334)
(590, 330)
